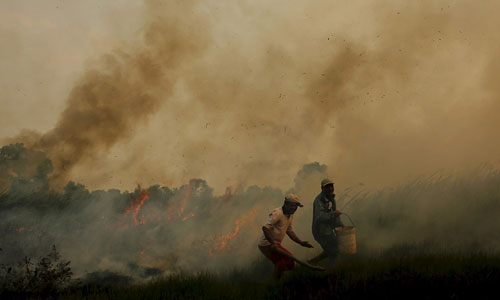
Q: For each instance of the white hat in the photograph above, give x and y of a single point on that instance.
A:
(325, 182)
(292, 198)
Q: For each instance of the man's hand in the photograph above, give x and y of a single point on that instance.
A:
(306, 244)
(337, 212)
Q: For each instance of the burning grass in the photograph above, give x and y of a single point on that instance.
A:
(129, 237)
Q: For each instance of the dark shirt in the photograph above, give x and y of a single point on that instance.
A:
(324, 221)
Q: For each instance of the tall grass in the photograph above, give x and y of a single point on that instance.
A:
(404, 272)
(459, 211)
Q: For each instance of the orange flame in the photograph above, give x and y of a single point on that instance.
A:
(221, 242)
(185, 200)
(135, 207)
(174, 211)
(187, 217)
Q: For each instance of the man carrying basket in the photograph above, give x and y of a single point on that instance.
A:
(326, 218)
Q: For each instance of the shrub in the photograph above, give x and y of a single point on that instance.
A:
(46, 276)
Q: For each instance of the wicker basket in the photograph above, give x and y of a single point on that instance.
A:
(346, 238)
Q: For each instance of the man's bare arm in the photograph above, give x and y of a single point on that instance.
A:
(296, 239)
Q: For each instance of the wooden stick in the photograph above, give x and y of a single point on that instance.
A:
(316, 268)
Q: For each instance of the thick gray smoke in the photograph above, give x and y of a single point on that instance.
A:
(248, 92)
(244, 94)
(161, 230)
(122, 89)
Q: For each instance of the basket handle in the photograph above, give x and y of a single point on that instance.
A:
(344, 214)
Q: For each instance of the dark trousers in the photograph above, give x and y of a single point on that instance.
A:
(330, 246)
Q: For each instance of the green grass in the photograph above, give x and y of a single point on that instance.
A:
(400, 273)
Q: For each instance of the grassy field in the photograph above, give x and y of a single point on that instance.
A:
(458, 211)
(400, 273)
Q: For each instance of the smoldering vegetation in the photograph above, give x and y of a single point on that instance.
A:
(161, 230)
(247, 95)
(136, 233)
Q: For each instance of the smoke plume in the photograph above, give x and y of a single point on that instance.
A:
(243, 94)
(123, 88)
(247, 93)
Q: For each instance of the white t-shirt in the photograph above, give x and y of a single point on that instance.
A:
(279, 224)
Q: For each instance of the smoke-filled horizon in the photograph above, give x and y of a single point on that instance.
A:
(163, 143)
(164, 229)
(248, 92)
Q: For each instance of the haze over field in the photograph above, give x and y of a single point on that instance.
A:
(247, 92)
(246, 95)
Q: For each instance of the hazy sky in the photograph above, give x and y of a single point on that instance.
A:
(45, 45)
(249, 91)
